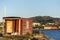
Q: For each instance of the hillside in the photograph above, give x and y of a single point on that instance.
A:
(45, 19)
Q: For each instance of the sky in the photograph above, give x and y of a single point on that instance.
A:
(30, 8)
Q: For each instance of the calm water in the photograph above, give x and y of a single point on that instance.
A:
(55, 34)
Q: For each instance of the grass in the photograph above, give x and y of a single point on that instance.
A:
(13, 38)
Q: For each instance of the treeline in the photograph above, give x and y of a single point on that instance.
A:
(45, 19)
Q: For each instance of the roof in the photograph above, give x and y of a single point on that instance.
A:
(11, 17)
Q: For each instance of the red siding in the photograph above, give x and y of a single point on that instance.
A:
(54, 27)
(17, 25)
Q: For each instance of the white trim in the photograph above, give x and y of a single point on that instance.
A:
(19, 26)
(27, 25)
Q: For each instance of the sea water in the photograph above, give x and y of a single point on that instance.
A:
(55, 34)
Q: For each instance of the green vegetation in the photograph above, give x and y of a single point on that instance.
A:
(25, 37)
(1, 28)
(13, 38)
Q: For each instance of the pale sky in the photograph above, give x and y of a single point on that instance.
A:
(30, 8)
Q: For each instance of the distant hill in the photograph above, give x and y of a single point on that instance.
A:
(45, 19)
